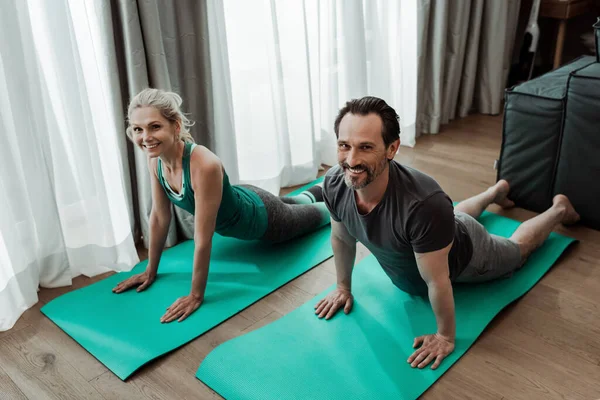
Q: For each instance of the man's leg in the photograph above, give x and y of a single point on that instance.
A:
(497, 194)
(532, 233)
(496, 257)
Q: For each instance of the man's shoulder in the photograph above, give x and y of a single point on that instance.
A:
(334, 179)
(417, 175)
(415, 183)
(334, 192)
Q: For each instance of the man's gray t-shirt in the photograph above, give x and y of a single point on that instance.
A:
(414, 215)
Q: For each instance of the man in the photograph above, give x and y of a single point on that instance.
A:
(406, 220)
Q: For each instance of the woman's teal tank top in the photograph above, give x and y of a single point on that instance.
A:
(242, 213)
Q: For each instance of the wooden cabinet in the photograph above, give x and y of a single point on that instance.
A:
(563, 10)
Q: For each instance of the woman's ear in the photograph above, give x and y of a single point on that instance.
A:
(177, 129)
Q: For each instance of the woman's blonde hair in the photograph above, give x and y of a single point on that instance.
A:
(169, 105)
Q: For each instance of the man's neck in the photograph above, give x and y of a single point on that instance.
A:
(368, 197)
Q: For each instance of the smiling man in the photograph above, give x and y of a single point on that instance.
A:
(407, 221)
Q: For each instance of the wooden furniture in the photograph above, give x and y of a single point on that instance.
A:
(563, 10)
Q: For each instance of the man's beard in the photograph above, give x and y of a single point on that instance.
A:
(371, 172)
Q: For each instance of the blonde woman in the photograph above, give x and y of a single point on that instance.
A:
(193, 178)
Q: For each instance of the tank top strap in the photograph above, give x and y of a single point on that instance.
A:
(189, 147)
(159, 169)
(187, 176)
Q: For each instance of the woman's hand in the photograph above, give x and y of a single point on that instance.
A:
(142, 281)
(182, 308)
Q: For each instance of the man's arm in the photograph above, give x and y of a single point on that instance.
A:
(344, 254)
(434, 270)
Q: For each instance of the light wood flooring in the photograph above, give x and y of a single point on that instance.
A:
(544, 346)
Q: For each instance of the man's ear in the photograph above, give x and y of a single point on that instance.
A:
(393, 149)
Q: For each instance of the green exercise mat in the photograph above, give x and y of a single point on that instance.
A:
(364, 355)
(124, 331)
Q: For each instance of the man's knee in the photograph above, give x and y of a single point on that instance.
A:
(526, 246)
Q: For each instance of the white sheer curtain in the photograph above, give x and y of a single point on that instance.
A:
(64, 197)
(283, 69)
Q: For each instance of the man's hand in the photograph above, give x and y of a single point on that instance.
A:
(182, 308)
(433, 347)
(328, 306)
(142, 281)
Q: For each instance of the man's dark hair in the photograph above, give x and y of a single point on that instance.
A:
(375, 105)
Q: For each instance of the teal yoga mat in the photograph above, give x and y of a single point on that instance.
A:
(363, 355)
(124, 331)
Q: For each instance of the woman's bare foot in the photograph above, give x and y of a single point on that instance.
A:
(501, 190)
(571, 216)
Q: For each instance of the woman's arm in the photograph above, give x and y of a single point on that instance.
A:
(208, 189)
(207, 181)
(160, 218)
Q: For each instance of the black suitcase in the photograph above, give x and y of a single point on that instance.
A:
(551, 138)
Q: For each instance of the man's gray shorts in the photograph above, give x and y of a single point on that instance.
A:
(493, 257)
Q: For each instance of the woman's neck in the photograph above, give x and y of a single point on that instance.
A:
(172, 158)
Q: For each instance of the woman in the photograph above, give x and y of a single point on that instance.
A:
(193, 178)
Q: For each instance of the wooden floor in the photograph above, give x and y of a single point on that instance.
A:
(544, 346)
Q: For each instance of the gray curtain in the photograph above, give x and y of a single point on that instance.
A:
(464, 53)
(163, 44)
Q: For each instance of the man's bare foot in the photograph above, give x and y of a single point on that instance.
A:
(501, 190)
(571, 216)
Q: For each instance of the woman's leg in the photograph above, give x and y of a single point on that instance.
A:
(312, 195)
(288, 221)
